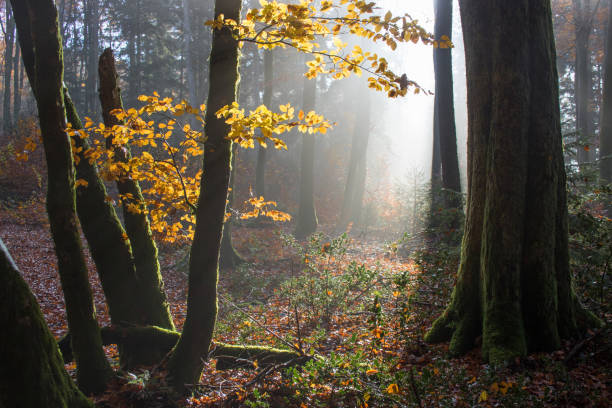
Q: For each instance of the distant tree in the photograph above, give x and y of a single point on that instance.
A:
(260, 172)
(514, 284)
(605, 134)
(584, 13)
(352, 202)
(306, 220)
(446, 180)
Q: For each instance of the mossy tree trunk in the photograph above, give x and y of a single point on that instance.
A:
(112, 254)
(307, 215)
(186, 362)
(260, 171)
(352, 203)
(514, 285)
(605, 134)
(39, 33)
(31, 366)
(144, 249)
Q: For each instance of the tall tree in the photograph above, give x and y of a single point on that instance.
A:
(135, 212)
(260, 171)
(514, 284)
(186, 362)
(38, 32)
(605, 134)
(307, 215)
(445, 163)
(352, 202)
(583, 82)
(31, 366)
(9, 39)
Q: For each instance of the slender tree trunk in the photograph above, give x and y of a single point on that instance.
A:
(352, 203)
(583, 83)
(39, 32)
(229, 257)
(9, 40)
(260, 172)
(92, 22)
(16, 86)
(137, 225)
(513, 285)
(605, 134)
(31, 366)
(188, 38)
(186, 362)
(307, 215)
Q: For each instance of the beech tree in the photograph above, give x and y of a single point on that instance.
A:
(514, 284)
(445, 163)
(38, 32)
(31, 366)
(605, 134)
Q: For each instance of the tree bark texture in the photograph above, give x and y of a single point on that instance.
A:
(127, 302)
(260, 171)
(31, 365)
(186, 362)
(605, 134)
(307, 215)
(38, 31)
(137, 226)
(513, 285)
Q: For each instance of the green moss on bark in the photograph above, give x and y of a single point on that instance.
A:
(514, 285)
(150, 284)
(186, 362)
(40, 41)
(31, 367)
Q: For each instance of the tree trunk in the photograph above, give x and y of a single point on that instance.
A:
(514, 284)
(16, 86)
(352, 203)
(446, 179)
(260, 172)
(127, 302)
(137, 226)
(92, 23)
(583, 82)
(445, 101)
(229, 257)
(38, 30)
(9, 39)
(605, 134)
(186, 362)
(307, 215)
(188, 38)
(31, 366)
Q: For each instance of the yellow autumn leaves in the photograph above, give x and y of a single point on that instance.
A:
(307, 27)
(164, 151)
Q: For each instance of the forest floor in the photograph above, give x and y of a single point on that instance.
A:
(354, 301)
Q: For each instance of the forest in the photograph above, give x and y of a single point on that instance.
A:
(305, 203)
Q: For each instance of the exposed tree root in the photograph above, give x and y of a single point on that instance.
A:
(157, 342)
